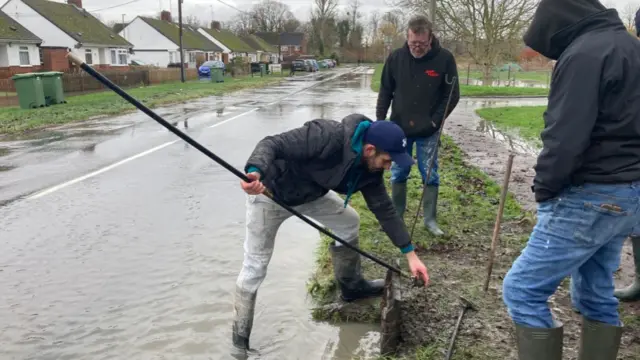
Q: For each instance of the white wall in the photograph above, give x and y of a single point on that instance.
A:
(157, 58)
(4, 56)
(50, 34)
(14, 54)
(214, 40)
(144, 37)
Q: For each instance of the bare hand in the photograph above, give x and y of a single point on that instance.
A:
(255, 187)
(418, 269)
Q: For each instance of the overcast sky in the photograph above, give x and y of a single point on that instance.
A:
(206, 10)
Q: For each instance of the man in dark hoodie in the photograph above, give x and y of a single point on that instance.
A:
(587, 181)
(305, 168)
(418, 78)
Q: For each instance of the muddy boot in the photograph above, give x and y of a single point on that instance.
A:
(399, 197)
(243, 312)
(632, 292)
(599, 341)
(429, 207)
(348, 274)
(539, 343)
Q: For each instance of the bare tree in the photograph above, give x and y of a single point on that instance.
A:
(490, 31)
(323, 24)
(374, 24)
(242, 23)
(628, 15)
(271, 16)
(292, 25)
(193, 21)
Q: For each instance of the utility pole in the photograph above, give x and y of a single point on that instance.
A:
(432, 12)
(181, 50)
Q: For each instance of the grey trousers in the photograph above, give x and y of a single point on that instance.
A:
(264, 218)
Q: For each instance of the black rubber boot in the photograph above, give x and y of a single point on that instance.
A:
(539, 343)
(430, 205)
(399, 197)
(632, 292)
(599, 341)
(348, 273)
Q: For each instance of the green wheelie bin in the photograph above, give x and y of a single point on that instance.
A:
(29, 88)
(52, 87)
(216, 75)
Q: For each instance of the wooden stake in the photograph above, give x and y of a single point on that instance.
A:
(496, 228)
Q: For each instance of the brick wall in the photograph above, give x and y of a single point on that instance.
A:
(8, 72)
(55, 59)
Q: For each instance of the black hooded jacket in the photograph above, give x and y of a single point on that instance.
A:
(419, 89)
(592, 122)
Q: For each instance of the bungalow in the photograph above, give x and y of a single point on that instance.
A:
(157, 41)
(19, 51)
(231, 45)
(264, 51)
(287, 43)
(67, 26)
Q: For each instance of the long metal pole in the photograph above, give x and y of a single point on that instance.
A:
(78, 61)
(181, 49)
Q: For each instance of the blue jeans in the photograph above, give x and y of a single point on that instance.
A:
(425, 149)
(579, 234)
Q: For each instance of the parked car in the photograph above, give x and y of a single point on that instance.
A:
(205, 69)
(330, 62)
(309, 65)
(299, 65)
(316, 67)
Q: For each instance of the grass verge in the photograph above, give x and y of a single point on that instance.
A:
(14, 120)
(476, 91)
(526, 121)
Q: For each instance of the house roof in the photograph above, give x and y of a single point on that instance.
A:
(285, 38)
(77, 23)
(230, 40)
(191, 38)
(259, 44)
(12, 30)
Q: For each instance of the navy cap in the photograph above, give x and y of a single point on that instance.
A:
(389, 137)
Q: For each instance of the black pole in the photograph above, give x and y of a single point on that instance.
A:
(181, 50)
(78, 61)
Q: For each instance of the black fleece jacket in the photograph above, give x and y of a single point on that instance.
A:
(592, 123)
(419, 89)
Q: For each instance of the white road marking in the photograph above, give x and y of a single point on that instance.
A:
(98, 172)
(152, 150)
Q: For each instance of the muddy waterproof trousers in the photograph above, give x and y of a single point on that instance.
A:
(264, 218)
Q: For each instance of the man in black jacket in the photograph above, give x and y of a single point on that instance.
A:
(418, 78)
(306, 168)
(587, 181)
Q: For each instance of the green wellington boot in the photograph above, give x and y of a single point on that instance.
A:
(632, 292)
(539, 343)
(429, 208)
(399, 197)
(599, 341)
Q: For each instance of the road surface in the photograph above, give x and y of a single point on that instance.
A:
(119, 240)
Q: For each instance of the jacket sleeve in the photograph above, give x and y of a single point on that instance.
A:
(387, 87)
(379, 202)
(313, 140)
(571, 114)
(449, 83)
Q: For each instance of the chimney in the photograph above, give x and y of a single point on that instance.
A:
(165, 16)
(215, 25)
(77, 3)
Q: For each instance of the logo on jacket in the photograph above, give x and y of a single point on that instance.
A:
(431, 73)
(404, 142)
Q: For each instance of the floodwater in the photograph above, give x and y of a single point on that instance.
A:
(120, 241)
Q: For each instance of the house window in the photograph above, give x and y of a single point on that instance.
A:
(284, 48)
(24, 56)
(88, 56)
(122, 56)
(297, 48)
(192, 57)
(118, 57)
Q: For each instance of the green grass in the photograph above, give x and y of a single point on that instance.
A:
(476, 91)
(14, 120)
(526, 121)
(529, 76)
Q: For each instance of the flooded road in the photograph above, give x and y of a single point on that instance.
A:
(121, 241)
